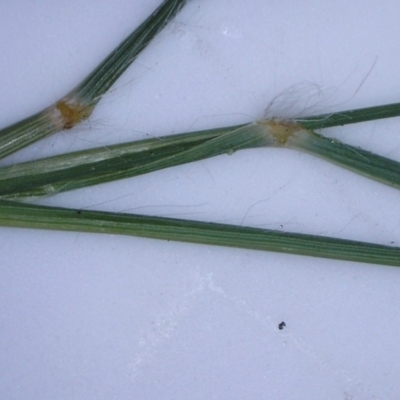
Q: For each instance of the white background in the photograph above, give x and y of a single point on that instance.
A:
(86, 316)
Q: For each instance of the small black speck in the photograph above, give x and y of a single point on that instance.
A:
(281, 325)
(79, 212)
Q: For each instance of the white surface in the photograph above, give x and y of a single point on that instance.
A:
(110, 317)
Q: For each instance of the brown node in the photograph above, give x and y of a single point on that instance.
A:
(72, 113)
(282, 130)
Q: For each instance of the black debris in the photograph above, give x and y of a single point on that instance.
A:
(281, 325)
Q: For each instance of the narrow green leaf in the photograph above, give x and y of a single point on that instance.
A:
(351, 116)
(363, 162)
(41, 217)
(104, 76)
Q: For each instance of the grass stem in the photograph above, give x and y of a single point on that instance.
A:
(85, 168)
(80, 102)
(22, 215)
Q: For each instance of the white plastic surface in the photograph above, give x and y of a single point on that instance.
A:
(86, 316)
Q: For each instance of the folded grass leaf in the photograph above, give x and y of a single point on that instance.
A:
(85, 168)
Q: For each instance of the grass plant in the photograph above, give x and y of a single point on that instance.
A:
(53, 175)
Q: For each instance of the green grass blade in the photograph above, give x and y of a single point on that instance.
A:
(351, 116)
(80, 102)
(14, 214)
(103, 77)
(363, 162)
